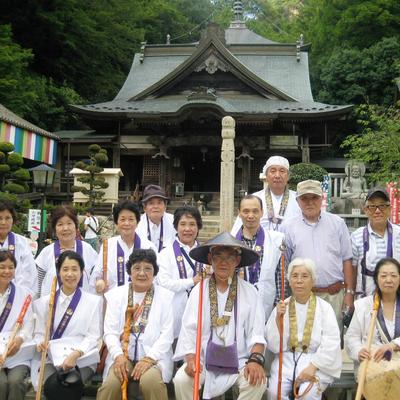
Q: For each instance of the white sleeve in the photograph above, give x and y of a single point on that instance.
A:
(112, 330)
(353, 339)
(26, 272)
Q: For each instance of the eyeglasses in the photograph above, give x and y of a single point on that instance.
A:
(373, 207)
(146, 270)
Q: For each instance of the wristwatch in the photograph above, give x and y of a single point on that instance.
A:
(350, 291)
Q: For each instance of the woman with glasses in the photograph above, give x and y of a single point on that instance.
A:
(138, 332)
(386, 336)
(378, 239)
(26, 274)
(14, 365)
(65, 225)
(311, 338)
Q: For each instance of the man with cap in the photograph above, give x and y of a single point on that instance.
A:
(325, 239)
(156, 224)
(233, 322)
(377, 240)
(277, 200)
(266, 243)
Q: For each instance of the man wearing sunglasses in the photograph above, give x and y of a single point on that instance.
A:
(377, 240)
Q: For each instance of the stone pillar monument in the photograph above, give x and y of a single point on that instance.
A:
(227, 174)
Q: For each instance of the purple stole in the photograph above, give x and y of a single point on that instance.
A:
(160, 246)
(121, 260)
(381, 321)
(389, 253)
(57, 253)
(254, 270)
(69, 312)
(7, 309)
(11, 242)
(179, 251)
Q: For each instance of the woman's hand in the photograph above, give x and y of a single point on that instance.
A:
(190, 368)
(382, 350)
(15, 345)
(254, 373)
(280, 312)
(308, 373)
(70, 361)
(364, 354)
(41, 347)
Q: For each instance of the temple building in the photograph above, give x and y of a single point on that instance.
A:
(164, 125)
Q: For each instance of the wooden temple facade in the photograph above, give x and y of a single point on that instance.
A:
(164, 125)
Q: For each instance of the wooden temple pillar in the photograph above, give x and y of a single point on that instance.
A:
(305, 149)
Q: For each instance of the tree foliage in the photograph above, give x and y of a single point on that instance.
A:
(303, 171)
(377, 144)
(93, 182)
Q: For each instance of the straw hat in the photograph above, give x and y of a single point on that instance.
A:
(224, 239)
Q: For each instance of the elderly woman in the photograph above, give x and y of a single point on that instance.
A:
(386, 338)
(75, 330)
(138, 332)
(311, 338)
(65, 224)
(105, 277)
(26, 274)
(178, 272)
(15, 365)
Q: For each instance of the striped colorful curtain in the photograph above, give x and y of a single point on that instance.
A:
(29, 144)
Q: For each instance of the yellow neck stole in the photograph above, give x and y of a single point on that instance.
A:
(294, 340)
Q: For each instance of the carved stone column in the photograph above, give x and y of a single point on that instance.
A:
(227, 174)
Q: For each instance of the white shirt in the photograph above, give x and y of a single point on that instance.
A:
(292, 209)
(25, 273)
(91, 222)
(155, 342)
(168, 277)
(46, 262)
(324, 350)
(249, 331)
(26, 331)
(112, 265)
(266, 282)
(169, 231)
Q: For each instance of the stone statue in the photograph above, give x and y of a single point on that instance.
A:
(354, 185)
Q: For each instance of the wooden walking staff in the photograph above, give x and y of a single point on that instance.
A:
(49, 323)
(282, 248)
(125, 344)
(17, 326)
(196, 387)
(364, 364)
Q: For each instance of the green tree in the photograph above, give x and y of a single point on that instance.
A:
(377, 144)
(303, 171)
(93, 181)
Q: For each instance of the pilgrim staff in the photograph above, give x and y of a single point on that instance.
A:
(385, 340)
(281, 322)
(196, 387)
(364, 366)
(45, 344)
(17, 327)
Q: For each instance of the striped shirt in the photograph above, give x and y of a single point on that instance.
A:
(377, 250)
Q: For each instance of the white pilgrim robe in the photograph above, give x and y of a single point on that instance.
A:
(112, 270)
(47, 262)
(169, 231)
(168, 277)
(266, 283)
(155, 342)
(83, 327)
(357, 333)
(26, 332)
(25, 273)
(249, 331)
(324, 351)
(291, 210)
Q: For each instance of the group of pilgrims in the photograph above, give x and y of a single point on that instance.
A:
(271, 296)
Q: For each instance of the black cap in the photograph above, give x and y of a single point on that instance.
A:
(378, 191)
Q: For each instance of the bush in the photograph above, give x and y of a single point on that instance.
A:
(303, 171)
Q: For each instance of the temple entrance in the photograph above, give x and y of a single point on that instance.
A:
(202, 168)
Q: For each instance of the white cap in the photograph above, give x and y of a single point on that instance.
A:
(274, 160)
